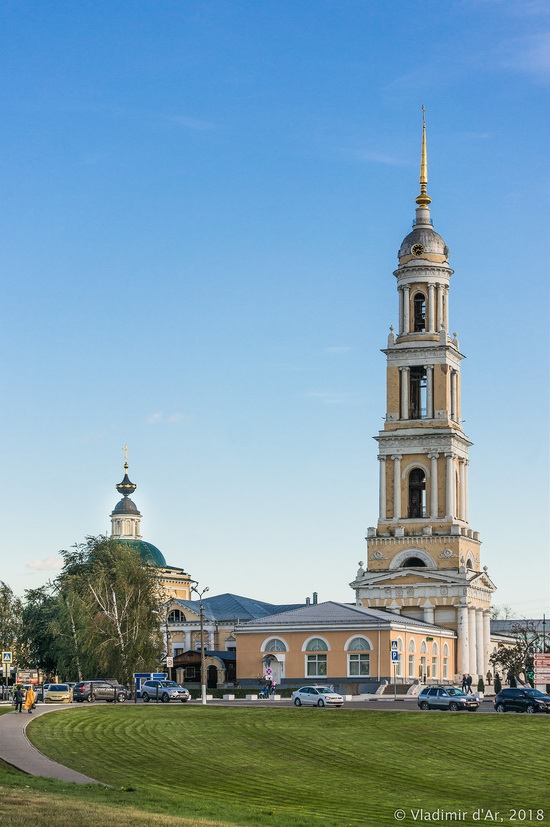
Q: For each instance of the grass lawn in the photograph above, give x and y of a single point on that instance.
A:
(282, 767)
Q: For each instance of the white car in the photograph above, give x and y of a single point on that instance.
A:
(316, 696)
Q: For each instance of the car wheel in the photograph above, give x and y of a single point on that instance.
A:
(297, 702)
(531, 709)
(145, 697)
(500, 708)
(90, 698)
(453, 706)
(165, 697)
(320, 702)
(121, 697)
(424, 705)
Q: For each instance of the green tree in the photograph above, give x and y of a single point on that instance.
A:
(108, 613)
(517, 660)
(10, 621)
(40, 650)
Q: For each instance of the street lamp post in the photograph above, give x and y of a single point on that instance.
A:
(201, 615)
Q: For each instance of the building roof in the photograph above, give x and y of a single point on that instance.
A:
(332, 612)
(233, 607)
(511, 625)
(150, 554)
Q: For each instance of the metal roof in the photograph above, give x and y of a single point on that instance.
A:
(234, 607)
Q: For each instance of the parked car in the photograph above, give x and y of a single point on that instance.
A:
(165, 691)
(446, 697)
(522, 699)
(99, 690)
(316, 696)
(58, 693)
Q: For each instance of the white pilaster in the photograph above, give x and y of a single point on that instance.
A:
(480, 646)
(463, 655)
(465, 493)
(428, 612)
(404, 393)
(434, 485)
(431, 308)
(449, 486)
(401, 311)
(396, 486)
(472, 666)
(430, 391)
(486, 640)
(461, 504)
(382, 492)
(439, 307)
(406, 309)
(454, 414)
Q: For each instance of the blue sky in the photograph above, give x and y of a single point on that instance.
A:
(202, 204)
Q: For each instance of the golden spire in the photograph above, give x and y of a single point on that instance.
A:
(423, 199)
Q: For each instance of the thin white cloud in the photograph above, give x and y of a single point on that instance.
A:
(159, 418)
(52, 563)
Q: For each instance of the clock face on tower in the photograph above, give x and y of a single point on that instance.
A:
(417, 249)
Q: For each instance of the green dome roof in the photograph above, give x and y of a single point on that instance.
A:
(150, 554)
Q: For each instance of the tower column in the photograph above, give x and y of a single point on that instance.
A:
(449, 487)
(397, 486)
(431, 308)
(486, 640)
(463, 655)
(382, 492)
(454, 408)
(446, 307)
(406, 309)
(401, 310)
(434, 485)
(404, 392)
(428, 612)
(462, 473)
(465, 492)
(439, 307)
(472, 665)
(480, 646)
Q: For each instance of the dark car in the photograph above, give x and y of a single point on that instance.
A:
(522, 699)
(446, 697)
(99, 691)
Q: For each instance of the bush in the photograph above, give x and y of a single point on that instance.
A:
(480, 685)
(498, 684)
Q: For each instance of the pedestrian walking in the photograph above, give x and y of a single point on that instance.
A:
(30, 699)
(464, 684)
(469, 685)
(489, 678)
(18, 696)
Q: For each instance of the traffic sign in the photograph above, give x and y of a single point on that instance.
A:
(169, 662)
(6, 657)
(394, 646)
(394, 654)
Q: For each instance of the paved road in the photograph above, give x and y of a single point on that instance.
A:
(17, 750)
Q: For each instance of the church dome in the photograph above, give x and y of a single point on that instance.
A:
(126, 506)
(421, 242)
(150, 554)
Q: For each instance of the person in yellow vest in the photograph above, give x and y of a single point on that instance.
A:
(30, 698)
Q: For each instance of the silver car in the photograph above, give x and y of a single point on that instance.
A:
(164, 691)
(316, 696)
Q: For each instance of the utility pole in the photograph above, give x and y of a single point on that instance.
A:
(201, 615)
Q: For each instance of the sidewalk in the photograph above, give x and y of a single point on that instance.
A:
(17, 750)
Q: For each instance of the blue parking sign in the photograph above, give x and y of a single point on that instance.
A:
(394, 655)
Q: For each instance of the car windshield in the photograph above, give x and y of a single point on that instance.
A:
(535, 693)
(452, 690)
(325, 690)
(58, 687)
(168, 683)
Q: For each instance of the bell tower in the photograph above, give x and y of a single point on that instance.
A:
(423, 557)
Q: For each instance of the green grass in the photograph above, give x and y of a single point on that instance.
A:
(292, 768)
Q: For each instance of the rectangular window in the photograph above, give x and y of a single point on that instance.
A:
(359, 665)
(445, 667)
(411, 666)
(316, 666)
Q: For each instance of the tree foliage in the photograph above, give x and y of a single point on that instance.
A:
(516, 661)
(11, 609)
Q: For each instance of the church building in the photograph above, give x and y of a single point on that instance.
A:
(423, 557)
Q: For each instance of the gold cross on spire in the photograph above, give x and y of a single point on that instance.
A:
(125, 452)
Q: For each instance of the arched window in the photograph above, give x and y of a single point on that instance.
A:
(435, 652)
(316, 644)
(399, 662)
(418, 392)
(422, 667)
(413, 562)
(417, 493)
(275, 645)
(358, 644)
(469, 564)
(412, 650)
(175, 616)
(419, 310)
(445, 661)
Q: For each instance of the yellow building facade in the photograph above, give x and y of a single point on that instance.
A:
(423, 557)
